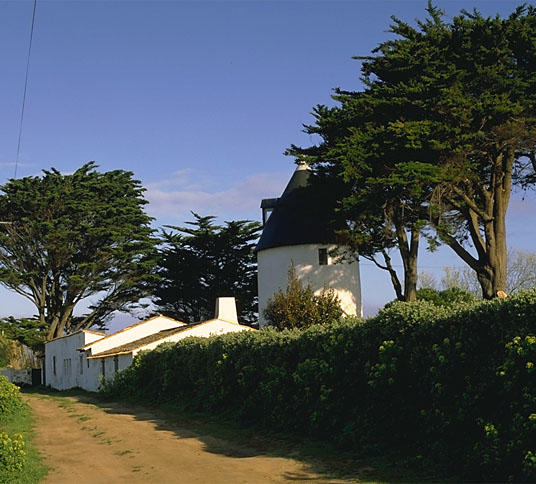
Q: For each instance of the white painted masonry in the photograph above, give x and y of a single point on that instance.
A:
(132, 333)
(65, 366)
(124, 355)
(226, 309)
(85, 358)
(343, 277)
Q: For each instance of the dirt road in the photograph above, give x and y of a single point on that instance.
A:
(85, 443)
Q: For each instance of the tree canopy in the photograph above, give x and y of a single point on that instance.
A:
(29, 332)
(81, 239)
(443, 130)
(203, 261)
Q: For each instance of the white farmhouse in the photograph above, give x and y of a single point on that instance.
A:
(85, 358)
(297, 231)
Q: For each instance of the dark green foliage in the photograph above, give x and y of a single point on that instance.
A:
(71, 237)
(442, 131)
(29, 332)
(205, 261)
(452, 389)
(447, 297)
(299, 307)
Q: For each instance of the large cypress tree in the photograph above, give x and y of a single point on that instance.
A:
(81, 239)
(202, 261)
(442, 132)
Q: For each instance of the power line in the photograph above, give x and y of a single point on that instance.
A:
(25, 88)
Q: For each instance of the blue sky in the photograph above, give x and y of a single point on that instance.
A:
(199, 99)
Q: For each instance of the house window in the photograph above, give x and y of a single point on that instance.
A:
(54, 365)
(67, 367)
(116, 364)
(103, 368)
(323, 257)
(81, 365)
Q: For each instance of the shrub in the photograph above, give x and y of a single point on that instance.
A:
(9, 397)
(12, 453)
(447, 297)
(451, 386)
(299, 307)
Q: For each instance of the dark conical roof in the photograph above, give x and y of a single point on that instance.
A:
(298, 216)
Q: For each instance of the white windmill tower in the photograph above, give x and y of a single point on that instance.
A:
(296, 231)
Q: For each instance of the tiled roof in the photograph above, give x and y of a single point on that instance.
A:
(94, 332)
(134, 345)
(100, 333)
(130, 327)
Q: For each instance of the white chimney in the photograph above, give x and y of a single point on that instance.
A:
(226, 309)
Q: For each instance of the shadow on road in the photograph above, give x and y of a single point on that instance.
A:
(230, 439)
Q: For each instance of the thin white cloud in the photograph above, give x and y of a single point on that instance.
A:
(171, 202)
(180, 178)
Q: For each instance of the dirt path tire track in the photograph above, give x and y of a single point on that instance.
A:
(86, 444)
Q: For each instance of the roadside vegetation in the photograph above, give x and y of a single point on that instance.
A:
(20, 462)
(448, 388)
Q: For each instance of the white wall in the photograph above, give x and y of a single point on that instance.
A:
(96, 370)
(133, 333)
(343, 278)
(213, 327)
(18, 377)
(65, 366)
(87, 373)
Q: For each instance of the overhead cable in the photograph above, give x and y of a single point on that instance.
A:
(25, 88)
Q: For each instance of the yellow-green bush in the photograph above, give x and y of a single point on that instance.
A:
(9, 397)
(12, 454)
(451, 387)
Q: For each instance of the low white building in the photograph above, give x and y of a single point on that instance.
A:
(85, 358)
(64, 366)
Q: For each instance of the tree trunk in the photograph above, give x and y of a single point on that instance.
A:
(409, 251)
(394, 276)
(490, 264)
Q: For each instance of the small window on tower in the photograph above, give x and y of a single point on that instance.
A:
(323, 257)
(266, 212)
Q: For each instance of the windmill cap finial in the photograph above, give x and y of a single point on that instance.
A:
(302, 164)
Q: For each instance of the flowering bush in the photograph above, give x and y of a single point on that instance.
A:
(9, 397)
(12, 454)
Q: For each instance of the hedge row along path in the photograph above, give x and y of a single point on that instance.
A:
(83, 443)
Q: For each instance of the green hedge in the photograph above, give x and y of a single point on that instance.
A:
(454, 388)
